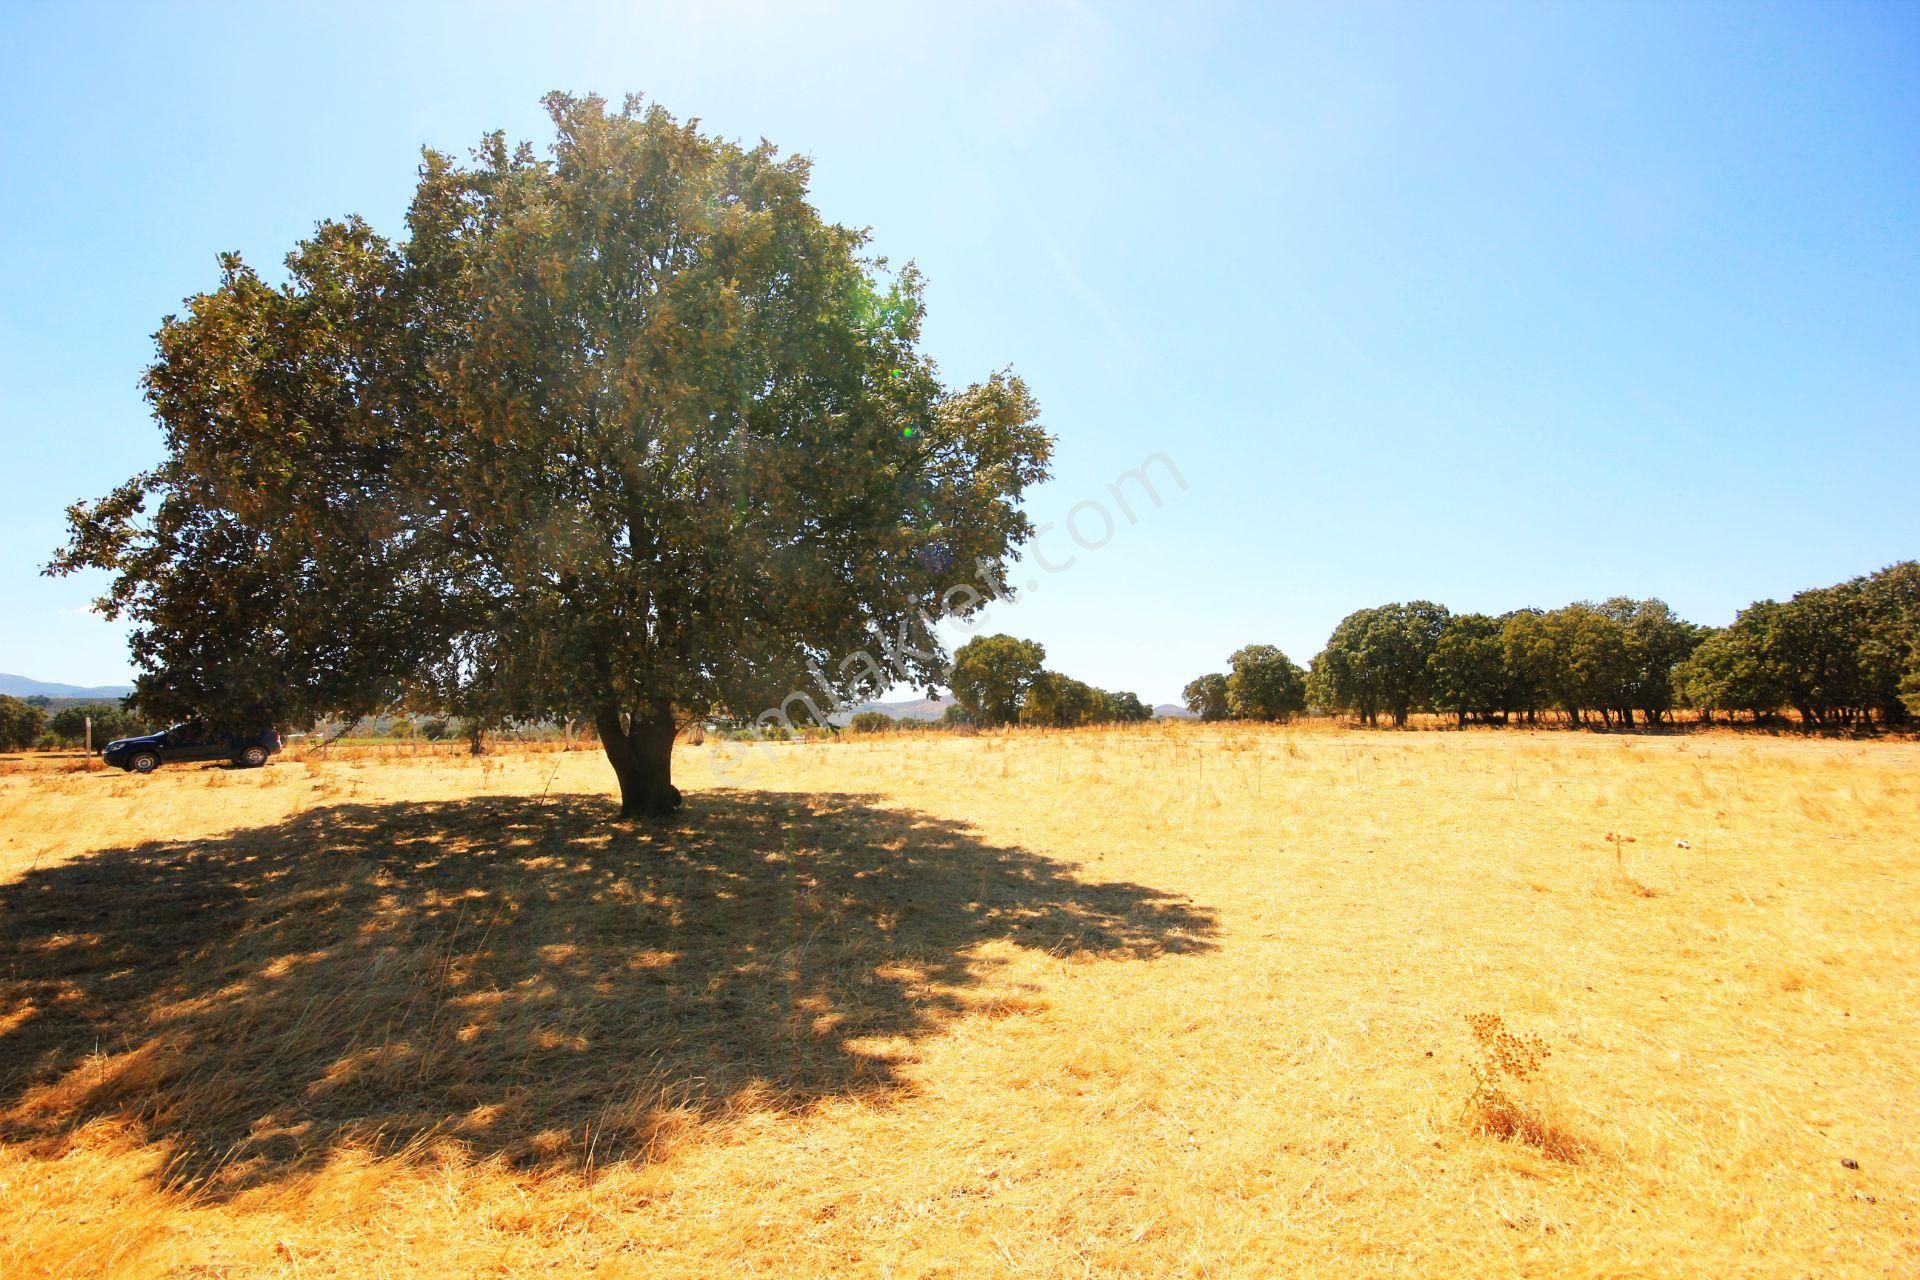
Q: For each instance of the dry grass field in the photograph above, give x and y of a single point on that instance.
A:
(1171, 1001)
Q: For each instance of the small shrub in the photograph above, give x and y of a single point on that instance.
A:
(1502, 1069)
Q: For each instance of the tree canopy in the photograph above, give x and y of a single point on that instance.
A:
(20, 723)
(1838, 656)
(992, 676)
(1376, 660)
(1264, 684)
(110, 720)
(626, 432)
(1467, 670)
(1001, 680)
(1206, 696)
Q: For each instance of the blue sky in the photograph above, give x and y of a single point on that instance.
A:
(1492, 305)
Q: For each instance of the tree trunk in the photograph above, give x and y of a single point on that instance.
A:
(641, 752)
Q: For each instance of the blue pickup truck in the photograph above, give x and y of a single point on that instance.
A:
(190, 742)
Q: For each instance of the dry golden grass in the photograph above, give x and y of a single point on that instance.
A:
(1166, 1001)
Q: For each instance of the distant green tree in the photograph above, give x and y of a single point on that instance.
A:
(1322, 697)
(20, 723)
(1375, 663)
(1468, 670)
(1055, 701)
(1527, 656)
(1658, 640)
(1264, 684)
(1890, 641)
(1728, 671)
(992, 674)
(1590, 667)
(1126, 708)
(1842, 655)
(110, 721)
(1206, 696)
(1813, 644)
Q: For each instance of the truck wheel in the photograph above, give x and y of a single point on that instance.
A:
(144, 762)
(253, 757)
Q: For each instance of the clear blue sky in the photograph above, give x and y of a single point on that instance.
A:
(1500, 305)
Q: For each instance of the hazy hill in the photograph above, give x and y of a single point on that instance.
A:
(905, 709)
(26, 687)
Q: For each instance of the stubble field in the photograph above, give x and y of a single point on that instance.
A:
(1170, 1001)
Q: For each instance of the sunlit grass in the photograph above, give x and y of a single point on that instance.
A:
(1174, 1000)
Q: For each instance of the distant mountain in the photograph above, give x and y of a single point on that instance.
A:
(1174, 711)
(23, 687)
(905, 709)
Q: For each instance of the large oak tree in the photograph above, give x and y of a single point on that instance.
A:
(627, 432)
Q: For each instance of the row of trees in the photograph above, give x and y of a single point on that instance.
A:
(21, 724)
(25, 723)
(1840, 656)
(1001, 680)
(1262, 684)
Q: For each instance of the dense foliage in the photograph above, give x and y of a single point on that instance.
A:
(20, 723)
(1836, 656)
(1376, 661)
(1264, 684)
(1206, 696)
(68, 726)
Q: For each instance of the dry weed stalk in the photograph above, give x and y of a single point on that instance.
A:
(1503, 1068)
(1619, 843)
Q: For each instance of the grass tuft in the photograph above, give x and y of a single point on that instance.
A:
(1504, 1098)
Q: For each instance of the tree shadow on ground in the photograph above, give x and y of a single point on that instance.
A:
(525, 979)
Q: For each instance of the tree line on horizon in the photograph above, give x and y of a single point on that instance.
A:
(1844, 656)
(36, 721)
(1002, 680)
